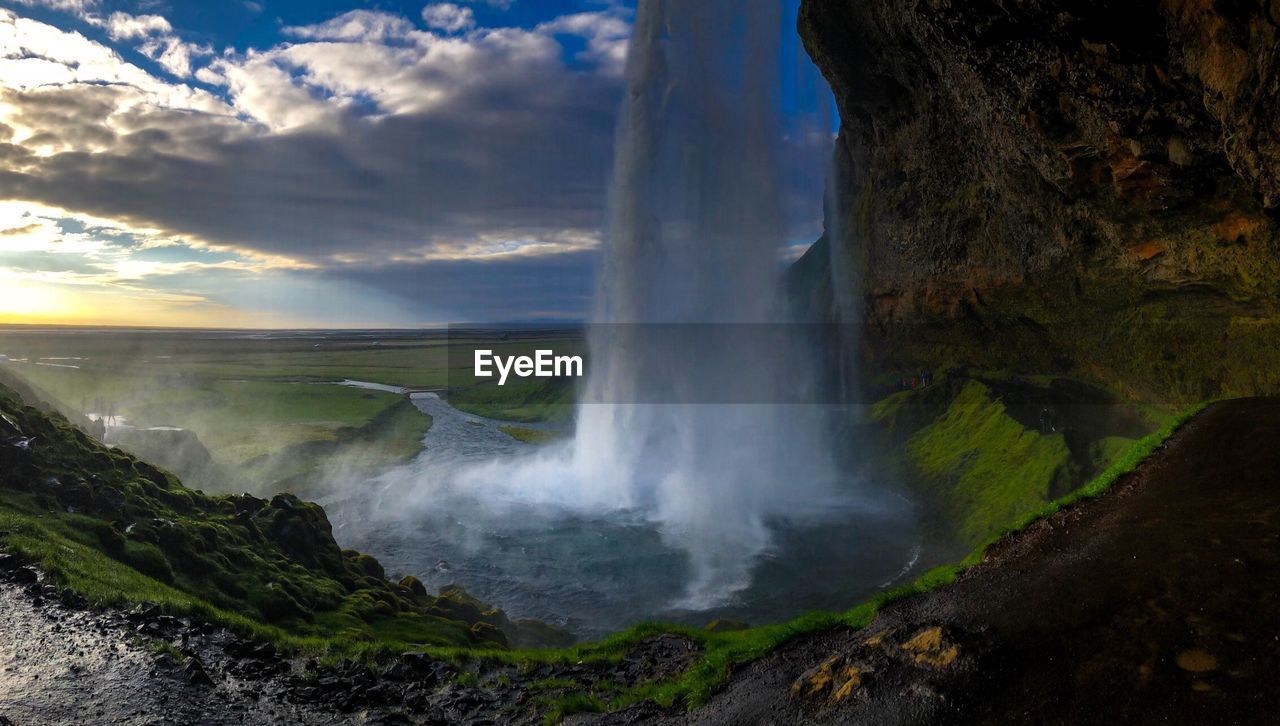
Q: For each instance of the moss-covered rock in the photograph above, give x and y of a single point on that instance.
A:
(985, 452)
(413, 585)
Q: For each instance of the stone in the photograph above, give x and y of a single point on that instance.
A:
(26, 576)
(929, 647)
(196, 674)
(413, 585)
(1179, 153)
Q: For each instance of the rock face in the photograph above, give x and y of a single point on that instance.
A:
(1090, 187)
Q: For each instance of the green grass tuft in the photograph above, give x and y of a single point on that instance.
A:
(531, 436)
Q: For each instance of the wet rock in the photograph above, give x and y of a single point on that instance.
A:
(26, 575)
(833, 680)
(413, 585)
(164, 662)
(388, 718)
(143, 611)
(251, 649)
(8, 562)
(21, 444)
(399, 672)
(488, 633)
(426, 670)
(196, 674)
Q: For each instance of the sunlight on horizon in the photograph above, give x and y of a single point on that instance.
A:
(28, 303)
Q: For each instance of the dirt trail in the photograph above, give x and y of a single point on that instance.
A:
(1159, 602)
(63, 665)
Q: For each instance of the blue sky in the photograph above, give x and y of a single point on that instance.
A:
(273, 163)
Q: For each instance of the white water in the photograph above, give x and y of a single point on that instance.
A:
(693, 238)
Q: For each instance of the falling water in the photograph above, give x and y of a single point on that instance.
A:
(696, 224)
(689, 299)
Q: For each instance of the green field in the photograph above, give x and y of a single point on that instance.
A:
(266, 408)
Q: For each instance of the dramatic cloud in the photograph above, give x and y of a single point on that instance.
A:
(372, 140)
(415, 169)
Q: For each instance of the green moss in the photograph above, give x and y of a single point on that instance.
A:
(531, 436)
(571, 704)
(988, 468)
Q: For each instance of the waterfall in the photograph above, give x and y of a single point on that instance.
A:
(696, 224)
(689, 303)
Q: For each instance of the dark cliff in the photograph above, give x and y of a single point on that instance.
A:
(1088, 188)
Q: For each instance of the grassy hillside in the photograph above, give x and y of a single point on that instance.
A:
(121, 531)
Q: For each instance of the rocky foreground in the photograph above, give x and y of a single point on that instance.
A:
(63, 662)
(1156, 603)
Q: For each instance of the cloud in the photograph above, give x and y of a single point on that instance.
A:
(123, 26)
(174, 55)
(448, 17)
(607, 37)
(356, 25)
(366, 141)
(435, 173)
(499, 4)
(79, 7)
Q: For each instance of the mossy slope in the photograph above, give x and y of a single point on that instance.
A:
(121, 531)
(984, 452)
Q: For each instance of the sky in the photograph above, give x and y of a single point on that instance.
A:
(317, 163)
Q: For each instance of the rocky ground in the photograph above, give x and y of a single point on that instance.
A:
(1156, 603)
(61, 662)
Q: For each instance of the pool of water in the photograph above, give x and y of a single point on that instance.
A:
(597, 573)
